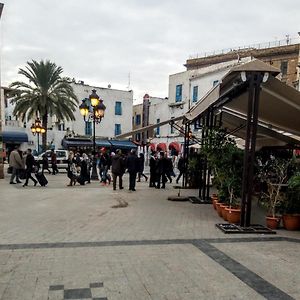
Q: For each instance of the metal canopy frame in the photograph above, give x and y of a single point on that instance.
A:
(232, 87)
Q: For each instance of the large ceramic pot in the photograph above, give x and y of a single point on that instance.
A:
(272, 222)
(223, 211)
(291, 222)
(218, 204)
(233, 215)
(214, 199)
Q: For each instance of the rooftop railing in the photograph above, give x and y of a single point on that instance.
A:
(276, 43)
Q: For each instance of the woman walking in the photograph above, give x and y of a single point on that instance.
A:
(85, 168)
(72, 170)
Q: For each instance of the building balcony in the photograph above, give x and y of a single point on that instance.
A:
(177, 104)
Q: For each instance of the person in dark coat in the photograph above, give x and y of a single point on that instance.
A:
(30, 163)
(54, 162)
(153, 168)
(104, 165)
(132, 164)
(162, 167)
(141, 167)
(85, 169)
(117, 169)
(180, 167)
(45, 164)
(169, 168)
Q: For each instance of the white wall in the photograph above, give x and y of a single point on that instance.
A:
(159, 109)
(109, 96)
(107, 127)
(203, 78)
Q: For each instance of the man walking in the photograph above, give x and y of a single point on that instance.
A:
(54, 162)
(117, 169)
(180, 167)
(16, 163)
(30, 163)
(132, 164)
(153, 169)
(162, 170)
(141, 167)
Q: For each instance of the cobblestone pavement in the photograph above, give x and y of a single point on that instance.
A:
(60, 243)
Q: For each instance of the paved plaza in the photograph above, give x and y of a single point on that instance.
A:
(62, 242)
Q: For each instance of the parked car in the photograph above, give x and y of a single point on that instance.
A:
(61, 156)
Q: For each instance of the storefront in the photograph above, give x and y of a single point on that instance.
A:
(11, 139)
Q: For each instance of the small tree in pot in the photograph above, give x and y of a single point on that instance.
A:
(291, 216)
(273, 174)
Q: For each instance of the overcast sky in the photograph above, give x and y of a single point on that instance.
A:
(102, 41)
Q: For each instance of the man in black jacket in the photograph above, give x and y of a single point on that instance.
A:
(117, 169)
(162, 167)
(30, 163)
(181, 167)
(132, 164)
(153, 169)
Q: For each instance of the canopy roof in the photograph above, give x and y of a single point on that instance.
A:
(279, 106)
(128, 145)
(14, 136)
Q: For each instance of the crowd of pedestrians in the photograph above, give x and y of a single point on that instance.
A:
(110, 166)
(22, 166)
(161, 168)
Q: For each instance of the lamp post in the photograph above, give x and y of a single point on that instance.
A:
(37, 129)
(93, 108)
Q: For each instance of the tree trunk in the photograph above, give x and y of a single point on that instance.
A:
(44, 136)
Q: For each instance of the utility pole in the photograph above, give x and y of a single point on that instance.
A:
(1, 102)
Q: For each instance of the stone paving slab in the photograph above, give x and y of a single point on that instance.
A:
(85, 213)
(152, 249)
(277, 262)
(128, 272)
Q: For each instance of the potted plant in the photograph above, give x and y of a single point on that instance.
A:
(225, 160)
(291, 216)
(194, 174)
(273, 174)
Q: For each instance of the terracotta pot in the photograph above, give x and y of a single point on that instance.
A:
(214, 201)
(291, 222)
(272, 222)
(233, 215)
(218, 204)
(223, 211)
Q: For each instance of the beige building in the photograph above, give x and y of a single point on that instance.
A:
(137, 121)
(284, 55)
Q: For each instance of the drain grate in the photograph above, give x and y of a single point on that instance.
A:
(197, 200)
(255, 228)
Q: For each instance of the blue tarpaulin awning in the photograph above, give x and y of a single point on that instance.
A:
(103, 143)
(14, 137)
(123, 144)
(76, 143)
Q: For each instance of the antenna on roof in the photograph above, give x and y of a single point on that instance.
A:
(128, 87)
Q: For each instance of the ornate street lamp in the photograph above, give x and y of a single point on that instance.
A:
(37, 129)
(94, 111)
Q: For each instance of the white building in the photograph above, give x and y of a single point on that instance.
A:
(185, 90)
(117, 119)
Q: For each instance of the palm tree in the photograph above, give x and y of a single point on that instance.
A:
(46, 94)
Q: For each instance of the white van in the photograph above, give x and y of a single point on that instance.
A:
(61, 156)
